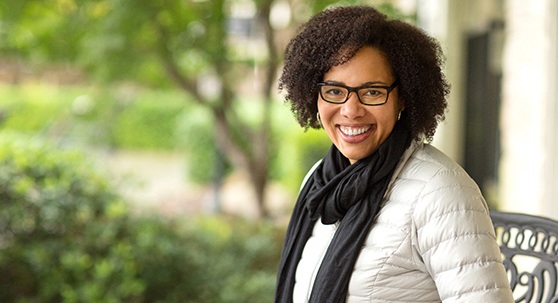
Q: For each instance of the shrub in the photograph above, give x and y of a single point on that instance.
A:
(213, 260)
(65, 236)
(149, 122)
(60, 223)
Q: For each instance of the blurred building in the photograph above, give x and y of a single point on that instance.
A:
(502, 125)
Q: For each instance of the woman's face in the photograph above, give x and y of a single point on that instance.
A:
(357, 130)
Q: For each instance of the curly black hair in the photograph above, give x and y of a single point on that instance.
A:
(333, 37)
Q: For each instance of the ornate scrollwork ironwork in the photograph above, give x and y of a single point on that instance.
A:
(529, 245)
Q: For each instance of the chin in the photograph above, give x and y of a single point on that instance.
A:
(355, 156)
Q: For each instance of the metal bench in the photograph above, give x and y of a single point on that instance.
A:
(530, 248)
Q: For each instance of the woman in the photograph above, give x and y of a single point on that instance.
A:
(384, 217)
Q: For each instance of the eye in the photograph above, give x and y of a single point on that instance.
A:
(372, 92)
(333, 91)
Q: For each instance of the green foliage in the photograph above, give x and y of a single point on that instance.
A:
(237, 260)
(195, 133)
(293, 151)
(127, 118)
(134, 119)
(60, 222)
(148, 123)
(65, 236)
(112, 39)
(158, 43)
(299, 151)
(34, 108)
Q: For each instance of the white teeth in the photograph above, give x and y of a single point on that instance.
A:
(350, 131)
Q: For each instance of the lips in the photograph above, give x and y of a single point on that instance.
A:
(354, 134)
(353, 131)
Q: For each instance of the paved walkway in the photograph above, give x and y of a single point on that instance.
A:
(158, 182)
(155, 181)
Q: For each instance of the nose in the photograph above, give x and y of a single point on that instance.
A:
(352, 109)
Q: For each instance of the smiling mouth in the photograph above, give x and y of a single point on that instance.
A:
(354, 131)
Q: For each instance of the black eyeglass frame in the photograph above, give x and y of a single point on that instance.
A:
(351, 89)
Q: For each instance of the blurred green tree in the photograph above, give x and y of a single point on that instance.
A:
(205, 48)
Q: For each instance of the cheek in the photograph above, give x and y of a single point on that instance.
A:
(327, 117)
(324, 111)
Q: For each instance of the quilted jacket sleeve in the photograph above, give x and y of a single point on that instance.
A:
(456, 240)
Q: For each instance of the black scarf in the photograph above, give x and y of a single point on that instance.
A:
(344, 193)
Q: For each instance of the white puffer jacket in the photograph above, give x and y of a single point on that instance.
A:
(433, 241)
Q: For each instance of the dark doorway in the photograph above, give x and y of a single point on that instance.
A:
(482, 114)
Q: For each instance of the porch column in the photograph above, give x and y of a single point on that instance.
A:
(528, 124)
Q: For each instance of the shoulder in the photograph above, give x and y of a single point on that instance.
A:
(442, 175)
(432, 170)
(446, 202)
(426, 162)
(437, 185)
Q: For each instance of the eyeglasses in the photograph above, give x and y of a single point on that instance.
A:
(367, 94)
